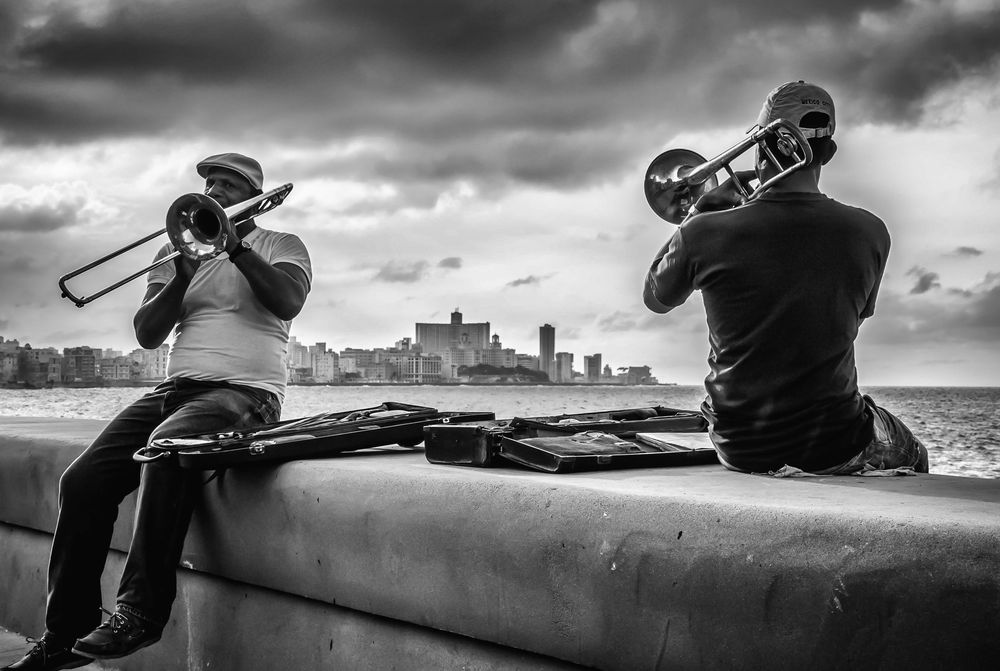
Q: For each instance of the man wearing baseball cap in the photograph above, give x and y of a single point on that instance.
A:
(786, 280)
(230, 316)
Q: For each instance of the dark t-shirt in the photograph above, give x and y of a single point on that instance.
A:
(786, 281)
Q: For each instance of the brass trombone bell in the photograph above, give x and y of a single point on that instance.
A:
(195, 228)
(670, 189)
(677, 178)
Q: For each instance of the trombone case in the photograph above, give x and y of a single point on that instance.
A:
(607, 439)
(316, 436)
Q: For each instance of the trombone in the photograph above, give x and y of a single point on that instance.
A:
(195, 228)
(677, 178)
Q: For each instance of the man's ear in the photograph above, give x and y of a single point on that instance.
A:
(832, 149)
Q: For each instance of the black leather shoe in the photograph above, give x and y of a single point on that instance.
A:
(121, 635)
(47, 655)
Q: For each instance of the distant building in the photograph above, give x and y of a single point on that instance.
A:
(546, 350)
(495, 355)
(80, 365)
(38, 367)
(414, 367)
(298, 354)
(564, 367)
(8, 366)
(435, 338)
(326, 366)
(357, 362)
(118, 368)
(528, 361)
(592, 367)
(152, 363)
(640, 375)
(499, 356)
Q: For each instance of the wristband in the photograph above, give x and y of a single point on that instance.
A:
(244, 246)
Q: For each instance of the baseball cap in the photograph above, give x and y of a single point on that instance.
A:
(238, 163)
(793, 100)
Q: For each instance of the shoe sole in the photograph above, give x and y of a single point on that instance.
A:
(100, 655)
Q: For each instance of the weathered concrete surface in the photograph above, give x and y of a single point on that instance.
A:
(227, 625)
(643, 569)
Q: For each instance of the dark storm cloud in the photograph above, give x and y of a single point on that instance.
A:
(450, 262)
(218, 42)
(402, 271)
(560, 93)
(967, 251)
(37, 218)
(967, 315)
(523, 281)
(926, 280)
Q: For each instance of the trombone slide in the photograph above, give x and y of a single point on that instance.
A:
(194, 226)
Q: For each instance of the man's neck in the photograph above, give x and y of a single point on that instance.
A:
(805, 180)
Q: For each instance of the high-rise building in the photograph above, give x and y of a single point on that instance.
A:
(564, 367)
(547, 350)
(592, 367)
(442, 337)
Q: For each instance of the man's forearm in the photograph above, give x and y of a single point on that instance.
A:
(159, 312)
(667, 283)
(650, 299)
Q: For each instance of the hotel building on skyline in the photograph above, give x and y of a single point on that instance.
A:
(455, 334)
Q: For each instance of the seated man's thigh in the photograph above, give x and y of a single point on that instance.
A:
(221, 409)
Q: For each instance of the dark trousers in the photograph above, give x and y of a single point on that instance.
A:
(94, 485)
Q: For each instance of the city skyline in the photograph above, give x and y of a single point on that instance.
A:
(492, 155)
(494, 338)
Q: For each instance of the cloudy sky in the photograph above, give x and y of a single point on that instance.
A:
(489, 155)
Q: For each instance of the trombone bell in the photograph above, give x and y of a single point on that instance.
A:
(669, 189)
(194, 226)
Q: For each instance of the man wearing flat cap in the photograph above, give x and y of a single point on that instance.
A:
(787, 279)
(230, 316)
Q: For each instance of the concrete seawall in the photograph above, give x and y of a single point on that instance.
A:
(381, 560)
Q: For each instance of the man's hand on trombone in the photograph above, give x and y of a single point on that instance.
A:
(725, 196)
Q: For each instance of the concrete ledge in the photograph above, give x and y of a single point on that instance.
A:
(222, 624)
(656, 568)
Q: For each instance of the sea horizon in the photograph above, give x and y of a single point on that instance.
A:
(959, 425)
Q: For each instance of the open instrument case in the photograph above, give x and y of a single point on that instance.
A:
(629, 438)
(322, 435)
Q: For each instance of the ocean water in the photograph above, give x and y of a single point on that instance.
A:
(959, 425)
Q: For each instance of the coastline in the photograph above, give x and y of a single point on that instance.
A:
(367, 383)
